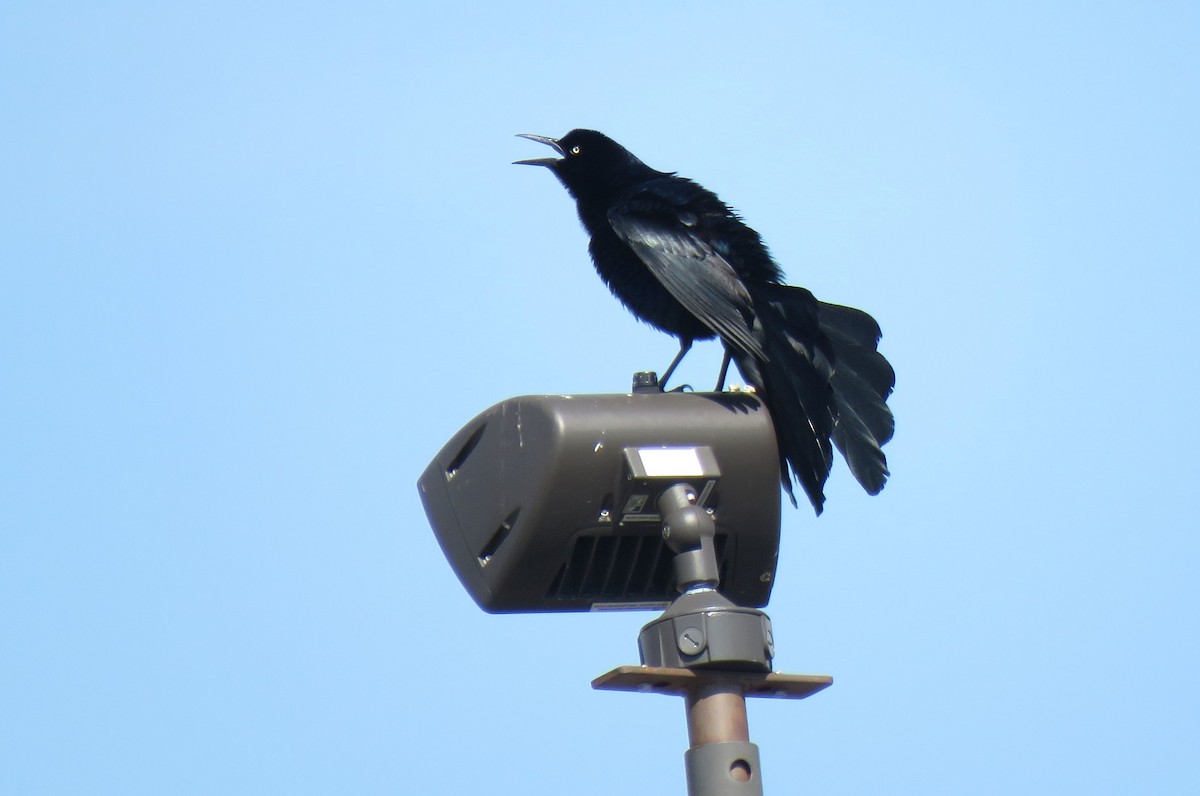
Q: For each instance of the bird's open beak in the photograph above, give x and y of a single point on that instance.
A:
(541, 139)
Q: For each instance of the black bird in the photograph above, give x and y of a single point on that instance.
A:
(685, 263)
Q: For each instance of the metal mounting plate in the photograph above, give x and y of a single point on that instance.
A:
(679, 682)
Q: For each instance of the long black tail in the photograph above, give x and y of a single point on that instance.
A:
(823, 382)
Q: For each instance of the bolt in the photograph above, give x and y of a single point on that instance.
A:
(691, 641)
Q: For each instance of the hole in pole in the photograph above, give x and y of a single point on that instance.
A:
(739, 771)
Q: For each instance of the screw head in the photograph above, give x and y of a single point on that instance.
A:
(691, 640)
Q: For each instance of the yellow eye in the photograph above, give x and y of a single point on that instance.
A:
(575, 150)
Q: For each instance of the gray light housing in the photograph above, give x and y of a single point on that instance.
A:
(549, 503)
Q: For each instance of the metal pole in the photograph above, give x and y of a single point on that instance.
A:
(721, 760)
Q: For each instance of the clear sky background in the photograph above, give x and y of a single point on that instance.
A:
(259, 261)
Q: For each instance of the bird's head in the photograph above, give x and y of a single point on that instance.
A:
(592, 166)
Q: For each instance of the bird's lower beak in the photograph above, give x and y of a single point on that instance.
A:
(541, 139)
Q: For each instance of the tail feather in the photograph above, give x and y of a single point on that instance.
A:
(795, 381)
(849, 324)
(824, 385)
(855, 336)
(862, 381)
(856, 434)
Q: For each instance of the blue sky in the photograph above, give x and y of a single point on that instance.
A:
(260, 261)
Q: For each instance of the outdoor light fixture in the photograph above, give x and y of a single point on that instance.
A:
(550, 502)
(640, 500)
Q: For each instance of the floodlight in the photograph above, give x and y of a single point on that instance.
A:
(644, 500)
(551, 502)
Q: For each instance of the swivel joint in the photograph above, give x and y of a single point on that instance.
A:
(690, 532)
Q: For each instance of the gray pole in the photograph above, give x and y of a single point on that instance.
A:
(721, 760)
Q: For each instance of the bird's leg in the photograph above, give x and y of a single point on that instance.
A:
(724, 369)
(685, 344)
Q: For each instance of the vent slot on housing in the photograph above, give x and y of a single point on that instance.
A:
(622, 568)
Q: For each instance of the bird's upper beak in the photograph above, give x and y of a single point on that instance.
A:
(541, 139)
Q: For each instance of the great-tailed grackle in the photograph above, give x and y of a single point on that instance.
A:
(685, 263)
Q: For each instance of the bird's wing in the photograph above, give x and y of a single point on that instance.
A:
(663, 237)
